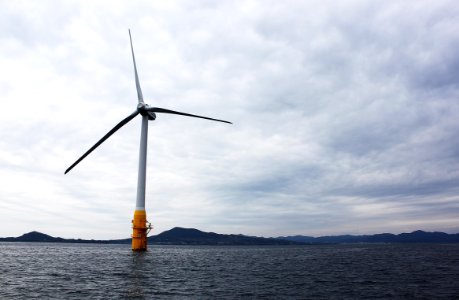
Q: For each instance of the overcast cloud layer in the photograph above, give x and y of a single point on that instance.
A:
(345, 116)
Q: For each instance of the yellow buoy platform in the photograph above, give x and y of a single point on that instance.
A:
(140, 230)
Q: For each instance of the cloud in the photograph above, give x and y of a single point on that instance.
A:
(345, 116)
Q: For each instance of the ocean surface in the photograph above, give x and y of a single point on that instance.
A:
(82, 271)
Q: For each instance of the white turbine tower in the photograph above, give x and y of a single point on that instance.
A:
(139, 232)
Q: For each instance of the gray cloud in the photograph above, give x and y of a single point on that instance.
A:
(344, 116)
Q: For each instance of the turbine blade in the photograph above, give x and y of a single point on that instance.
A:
(137, 83)
(118, 126)
(168, 111)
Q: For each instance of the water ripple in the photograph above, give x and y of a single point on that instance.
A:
(76, 271)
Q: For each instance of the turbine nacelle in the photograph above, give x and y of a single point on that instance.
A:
(142, 108)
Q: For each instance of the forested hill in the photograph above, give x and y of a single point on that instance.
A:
(190, 236)
(418, 236)
(175, 236)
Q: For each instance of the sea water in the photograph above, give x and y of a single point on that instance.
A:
(88, 271)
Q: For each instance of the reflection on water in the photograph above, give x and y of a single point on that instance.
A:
(138, 275)
(76, 271)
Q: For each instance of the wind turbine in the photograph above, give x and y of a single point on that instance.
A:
(148, 113)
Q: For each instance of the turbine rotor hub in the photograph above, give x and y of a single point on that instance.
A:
(142, 109)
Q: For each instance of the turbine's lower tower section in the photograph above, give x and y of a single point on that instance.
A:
(140, 230)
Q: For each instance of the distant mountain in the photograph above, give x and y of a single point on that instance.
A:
(418, 236)
(175, 236)
(190, 236)
(36, 236)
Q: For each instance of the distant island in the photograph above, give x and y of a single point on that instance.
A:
(417, 236)
(175, 236)
(191, 236)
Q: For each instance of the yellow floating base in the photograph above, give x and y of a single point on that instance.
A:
(139, 231)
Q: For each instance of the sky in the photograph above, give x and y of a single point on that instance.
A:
(345, 116)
